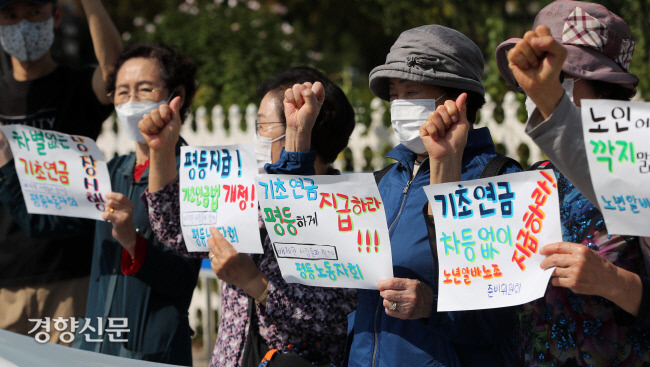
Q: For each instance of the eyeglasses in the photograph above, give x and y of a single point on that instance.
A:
(261, 128)
(142, 93)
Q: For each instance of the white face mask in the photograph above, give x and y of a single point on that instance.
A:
(567, 85)
(406, 116)
(263, 150)
(27, 41)
(130, 113)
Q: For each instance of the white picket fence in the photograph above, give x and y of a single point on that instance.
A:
(376, 137)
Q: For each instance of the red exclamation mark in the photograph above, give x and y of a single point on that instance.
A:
(376, 242)
(359, 239)
(549, 178)
(368, 241)
(253, 195)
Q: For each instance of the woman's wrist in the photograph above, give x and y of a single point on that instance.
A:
(297, 140)
(162, 168)
(258, 287)
(625, 291)
(445, 170)
(130, 244)
(548, 99)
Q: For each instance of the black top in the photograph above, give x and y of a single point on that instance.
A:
(63, 101)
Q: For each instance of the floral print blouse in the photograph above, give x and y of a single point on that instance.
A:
(294, 313)
(564, 328)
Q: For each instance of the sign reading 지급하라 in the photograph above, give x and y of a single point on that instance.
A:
(59, 174)
(217, 189)
(616, 135)
(327, 231)
(488, 233)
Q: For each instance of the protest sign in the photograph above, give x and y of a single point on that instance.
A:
(488, 233)
(217, 189)
(327, 231)
(59, 174)
(616, 133)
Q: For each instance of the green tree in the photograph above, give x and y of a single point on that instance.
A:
(235, 45)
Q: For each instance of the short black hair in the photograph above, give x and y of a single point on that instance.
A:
(474, 101)
(335, 120)
(177, 70)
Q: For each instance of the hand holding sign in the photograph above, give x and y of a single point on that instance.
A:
(406, 298)
(234, 268)
(161, 127)
(302, 104)
(536, 62)
(119, 211)
(584, 271)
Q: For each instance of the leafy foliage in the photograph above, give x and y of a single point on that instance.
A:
(239, 43)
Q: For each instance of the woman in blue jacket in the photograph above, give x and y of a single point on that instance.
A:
(432, 77)
(136, 283)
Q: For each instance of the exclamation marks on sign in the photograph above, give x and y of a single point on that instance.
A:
(239, 164)
(252, 194)
(549, 178)
(368, 241)
(376, 241)
(360, 240)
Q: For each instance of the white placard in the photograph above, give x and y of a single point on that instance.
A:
(217, 189)
(616, 135)
(327, 231)
(488, 233)
(59, 174)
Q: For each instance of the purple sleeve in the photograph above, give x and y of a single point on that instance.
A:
(164, 208)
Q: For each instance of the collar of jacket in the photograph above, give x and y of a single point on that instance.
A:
(127, 168)
(477, 140)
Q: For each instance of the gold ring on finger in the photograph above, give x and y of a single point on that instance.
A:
(392, 306)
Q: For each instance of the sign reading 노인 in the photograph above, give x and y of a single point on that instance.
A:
(217, 189)
(327, 231)
(488, 233)
(616, 135)
(59, 174)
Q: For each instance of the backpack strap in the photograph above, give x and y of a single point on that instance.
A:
(497, 165)
(383, 172)
(541, 165)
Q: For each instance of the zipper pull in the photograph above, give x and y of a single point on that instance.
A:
(406, 188)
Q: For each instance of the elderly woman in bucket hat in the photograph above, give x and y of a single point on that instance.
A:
(432, 78)
(593, 312)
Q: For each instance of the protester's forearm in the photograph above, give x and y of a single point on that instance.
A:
(298, 140)
(440, 172)
(105, 36)
(162, 169)
(560, 138)
(448, 170)
(627, 291)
